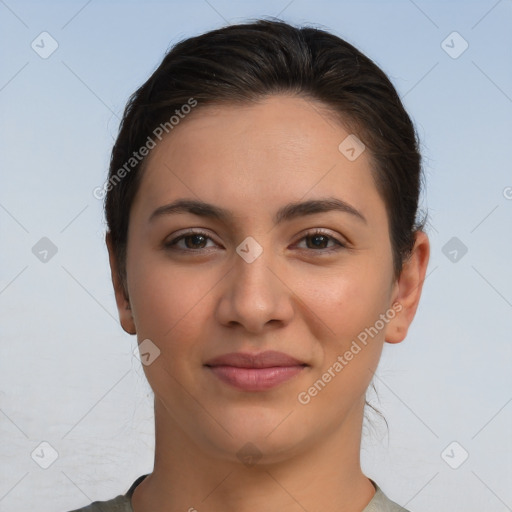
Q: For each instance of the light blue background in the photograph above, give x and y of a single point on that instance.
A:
(67, 373)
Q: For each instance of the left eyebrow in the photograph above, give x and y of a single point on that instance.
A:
(298, 209)
(285, 213)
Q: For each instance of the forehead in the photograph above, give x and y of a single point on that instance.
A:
(260, 154)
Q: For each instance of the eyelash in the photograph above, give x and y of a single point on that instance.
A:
(317, 232)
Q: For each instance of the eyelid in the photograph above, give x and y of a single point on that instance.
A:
(176, 237)
(339, 244)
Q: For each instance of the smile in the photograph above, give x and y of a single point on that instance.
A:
(255, 372)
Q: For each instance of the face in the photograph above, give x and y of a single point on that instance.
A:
(254, 271)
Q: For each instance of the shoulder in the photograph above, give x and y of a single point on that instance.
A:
(120, 503)
(381, 503)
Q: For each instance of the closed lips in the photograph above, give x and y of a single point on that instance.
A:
(266, 359)
(255, 372)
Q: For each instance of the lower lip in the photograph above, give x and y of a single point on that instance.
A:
(255, 379)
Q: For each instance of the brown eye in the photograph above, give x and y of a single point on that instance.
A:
(320, 241)
(193, 241)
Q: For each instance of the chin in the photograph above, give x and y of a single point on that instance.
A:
(255, 438)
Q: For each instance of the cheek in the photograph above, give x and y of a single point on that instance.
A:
(170, 306)
(348, 300)
(165, 298)
(349, 306)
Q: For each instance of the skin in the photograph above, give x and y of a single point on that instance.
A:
(295, 297)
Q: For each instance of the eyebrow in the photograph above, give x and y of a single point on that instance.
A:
(286, 213)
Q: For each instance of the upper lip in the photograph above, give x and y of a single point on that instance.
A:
(267, 359)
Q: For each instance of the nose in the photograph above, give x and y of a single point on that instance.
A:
(255, 295)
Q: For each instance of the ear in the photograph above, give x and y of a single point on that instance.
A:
(407, 289)
(122, 299)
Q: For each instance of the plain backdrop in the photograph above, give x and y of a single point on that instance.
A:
(68, 376)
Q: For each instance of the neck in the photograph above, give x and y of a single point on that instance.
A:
(323, 476)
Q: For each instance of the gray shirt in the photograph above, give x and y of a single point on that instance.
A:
(122, 503)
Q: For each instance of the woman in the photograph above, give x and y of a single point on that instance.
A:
(263, 241)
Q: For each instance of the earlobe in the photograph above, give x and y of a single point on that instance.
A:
(122, 300)
(407, 291)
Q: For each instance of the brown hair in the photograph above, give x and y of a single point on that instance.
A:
(246, 62)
